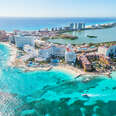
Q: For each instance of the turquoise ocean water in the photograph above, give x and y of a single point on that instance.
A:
(53, 93)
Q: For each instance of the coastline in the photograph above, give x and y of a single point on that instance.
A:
(73, 71)
(59, 22)
(76, 73)
(13, 53)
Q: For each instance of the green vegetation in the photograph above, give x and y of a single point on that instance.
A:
(44, 38)
(91, 44)
(65, 36)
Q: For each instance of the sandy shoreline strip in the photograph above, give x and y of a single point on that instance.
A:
(76, 72)
(69, 69)
(65, 68)
(73, 71)
(13, 53)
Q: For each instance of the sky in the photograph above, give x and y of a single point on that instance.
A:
(58, 8)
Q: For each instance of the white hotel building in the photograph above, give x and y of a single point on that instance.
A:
(70, 56)
(53, 50)
(30, 50)
(58, 51)
(21, 40)
(44, 53)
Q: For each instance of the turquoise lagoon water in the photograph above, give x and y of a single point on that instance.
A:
(103, 35)
(53, 93)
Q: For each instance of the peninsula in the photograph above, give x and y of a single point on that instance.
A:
(30, 53)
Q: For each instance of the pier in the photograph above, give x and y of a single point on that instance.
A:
(94, 75)
(78, 76)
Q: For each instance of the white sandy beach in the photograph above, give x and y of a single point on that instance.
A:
(13, 53)
(69, 69)
(14, 62)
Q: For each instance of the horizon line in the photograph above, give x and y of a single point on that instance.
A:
(57, 17)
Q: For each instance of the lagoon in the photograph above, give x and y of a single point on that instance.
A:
(103, 35)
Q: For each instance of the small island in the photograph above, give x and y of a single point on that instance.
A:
(65, 36)
(68, 36)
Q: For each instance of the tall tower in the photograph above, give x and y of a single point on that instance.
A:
(79, 26)
(72, 26)
(75, 26)
(83, 26)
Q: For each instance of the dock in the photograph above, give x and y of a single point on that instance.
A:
(50, 68)
(94, 75)
(78, 76)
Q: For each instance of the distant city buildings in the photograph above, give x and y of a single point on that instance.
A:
(80, 26)
(71, 27)
(75, 27)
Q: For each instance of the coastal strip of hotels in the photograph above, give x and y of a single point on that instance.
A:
(31, 51)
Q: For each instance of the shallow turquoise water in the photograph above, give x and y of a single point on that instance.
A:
(15, 81)
(53, 93)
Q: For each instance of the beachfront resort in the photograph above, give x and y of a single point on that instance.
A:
(31, 50)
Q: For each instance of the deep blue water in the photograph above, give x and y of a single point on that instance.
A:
(11, 24)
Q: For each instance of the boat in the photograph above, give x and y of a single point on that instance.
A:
(92, 36)
(85, 95)
(86, 80)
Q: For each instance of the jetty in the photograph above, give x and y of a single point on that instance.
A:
(78, 76)
(50, 68)
(94, 75)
